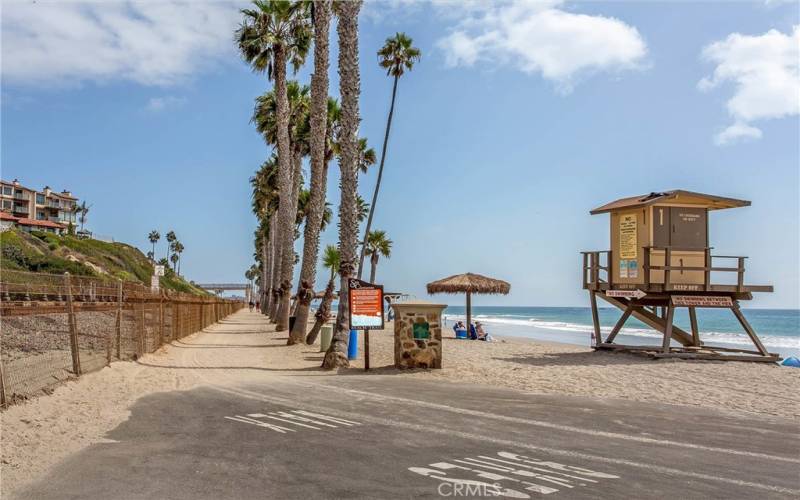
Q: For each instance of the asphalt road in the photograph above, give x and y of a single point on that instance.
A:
(385, 436)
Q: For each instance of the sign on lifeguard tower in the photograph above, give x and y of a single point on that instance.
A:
(366, 305)
(660, 259)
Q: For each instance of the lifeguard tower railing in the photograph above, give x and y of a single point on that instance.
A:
(597, 275)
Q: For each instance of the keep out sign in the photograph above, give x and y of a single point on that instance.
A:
(366, 305)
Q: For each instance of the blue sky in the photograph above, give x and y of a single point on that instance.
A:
(519, 119)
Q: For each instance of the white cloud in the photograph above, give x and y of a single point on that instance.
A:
(765, 72)
(156, 104)
(537, 37)
(158, 42)
(737, 132)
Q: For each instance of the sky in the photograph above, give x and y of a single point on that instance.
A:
(519, 119)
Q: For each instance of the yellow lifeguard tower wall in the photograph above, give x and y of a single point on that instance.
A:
(680, 223)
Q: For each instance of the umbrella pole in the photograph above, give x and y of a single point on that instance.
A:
(469, 315)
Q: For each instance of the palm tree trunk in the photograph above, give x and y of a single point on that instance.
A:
(374, 261)
(319, 171)
(323, 314)
(285, 307)
(285, 202)
(380, 176)
(349, 89)
(276, 270)
(265, 278)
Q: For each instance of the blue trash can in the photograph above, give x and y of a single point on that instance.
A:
(461, 334)
(352, 345)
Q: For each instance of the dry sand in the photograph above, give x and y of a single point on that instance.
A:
(39, 433)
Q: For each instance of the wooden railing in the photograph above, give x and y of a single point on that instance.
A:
(592, 267)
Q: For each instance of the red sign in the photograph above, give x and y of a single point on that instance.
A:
(366, 305)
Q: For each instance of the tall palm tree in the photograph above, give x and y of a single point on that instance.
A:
(330, 259)
(349, 89)
(179, 248)
(396, 56)
(378, 245)
(265, 120)
(265, 204)
(318, 133)
(83, 211)
(154, 236)
(174, 259)
(270, 35)
(171, 238)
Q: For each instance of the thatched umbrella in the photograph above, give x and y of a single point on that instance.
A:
(469, 283)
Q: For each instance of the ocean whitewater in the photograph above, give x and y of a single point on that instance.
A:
(779, 329)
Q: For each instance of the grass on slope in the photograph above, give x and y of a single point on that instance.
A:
(49, 253)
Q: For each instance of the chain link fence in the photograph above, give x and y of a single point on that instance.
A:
(57, 327)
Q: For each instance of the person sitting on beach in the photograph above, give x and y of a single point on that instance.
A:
(458, 325)
(481, 334)
(473, 335)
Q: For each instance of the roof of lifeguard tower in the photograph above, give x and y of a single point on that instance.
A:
(709, 200)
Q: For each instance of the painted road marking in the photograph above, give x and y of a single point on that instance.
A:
(300, 418)
(490, 476)
(575, 455)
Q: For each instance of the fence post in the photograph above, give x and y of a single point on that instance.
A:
(118, 323)
(2, 385)
(73, 329)
(161, 320)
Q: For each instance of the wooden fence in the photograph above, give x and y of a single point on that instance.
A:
(57, 327)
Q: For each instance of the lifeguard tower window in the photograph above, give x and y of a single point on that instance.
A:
(680, 227)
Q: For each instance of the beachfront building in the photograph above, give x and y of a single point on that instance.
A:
(32, 210)
(660, 259)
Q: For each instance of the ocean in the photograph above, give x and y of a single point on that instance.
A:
(778, 329)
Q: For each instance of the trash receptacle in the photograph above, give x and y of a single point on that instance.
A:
(326, 334)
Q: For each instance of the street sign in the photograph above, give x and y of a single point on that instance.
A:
(366, 305)
(154, 283)
(701, 301)
(630, 294)
(159, 270)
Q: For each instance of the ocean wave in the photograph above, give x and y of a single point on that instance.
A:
(707, 336)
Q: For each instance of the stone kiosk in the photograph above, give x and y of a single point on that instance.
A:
(418, 334)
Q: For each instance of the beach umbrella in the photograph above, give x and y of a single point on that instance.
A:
(469, 283)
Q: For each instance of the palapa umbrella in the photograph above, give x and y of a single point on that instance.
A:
(469, 283)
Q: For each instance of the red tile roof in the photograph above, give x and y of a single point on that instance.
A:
(8, 216)
(41, 223)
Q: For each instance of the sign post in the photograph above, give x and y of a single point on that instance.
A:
(158, 271)
(366, 310)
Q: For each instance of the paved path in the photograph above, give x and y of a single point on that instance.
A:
(254, 431)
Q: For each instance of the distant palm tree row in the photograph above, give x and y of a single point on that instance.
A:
(174, 250)
(299, 121)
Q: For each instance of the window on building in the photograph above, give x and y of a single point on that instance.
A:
(8, 204)
(40, 216)
(8, 190)
(39, 199)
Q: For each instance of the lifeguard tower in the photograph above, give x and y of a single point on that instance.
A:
(660, 260)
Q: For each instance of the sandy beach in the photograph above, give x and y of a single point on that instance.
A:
(38, 433)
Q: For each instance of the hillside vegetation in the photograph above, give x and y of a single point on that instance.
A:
(49, 253)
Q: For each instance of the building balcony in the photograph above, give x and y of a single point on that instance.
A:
(20, 196)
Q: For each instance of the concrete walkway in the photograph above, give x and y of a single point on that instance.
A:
(260, 424)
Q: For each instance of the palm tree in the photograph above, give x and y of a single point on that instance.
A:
(154, 236)
(319, 169)
(171, 238)
(250, 275)
(265, 205)
(272, 34)
(265, 120)
(178, 248)
(349, 89)
(174, 259)
(330, 259)
(83, 211)
(378, 245)
(396, 56)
